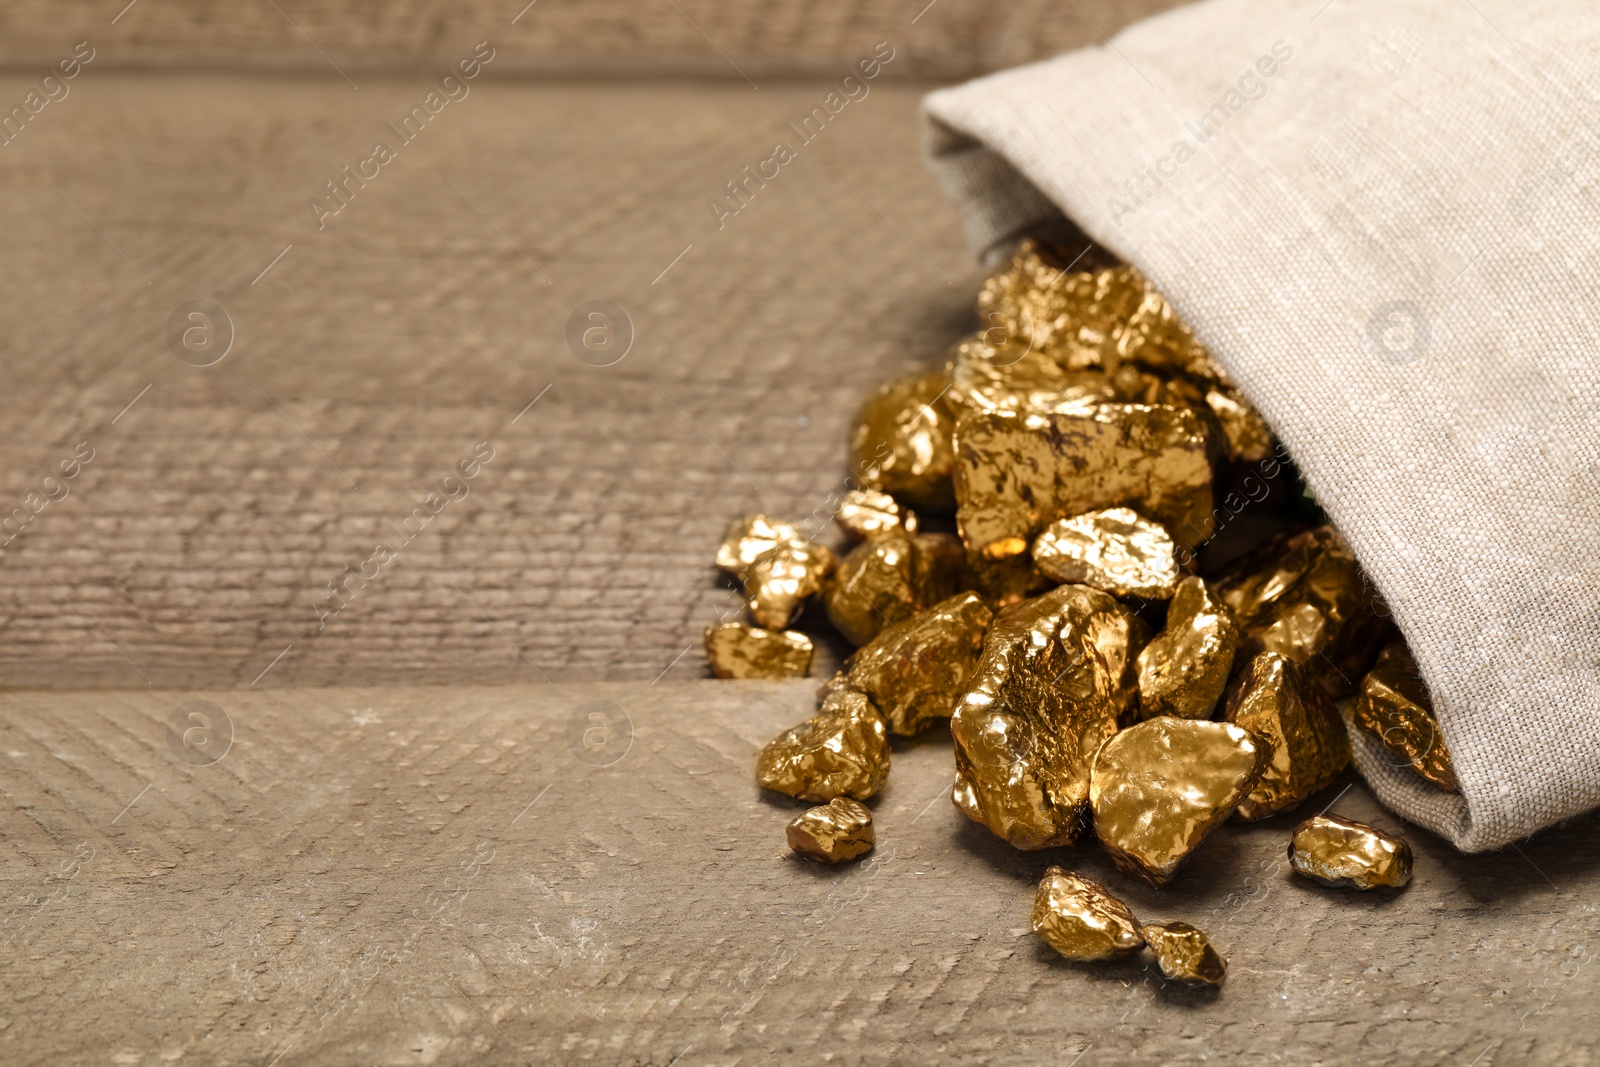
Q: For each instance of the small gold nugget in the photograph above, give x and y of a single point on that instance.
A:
(1349, 855)
(888, 579)
(1184, 670)
(835, 832)
(1245, 434)
(1081, 920)
(915, 672)
(843, 750)
(1394, 707)
(1017, 473)
(1113, 550)
(865, 513)
(1278, 703)
(1184, 954)
(750, 538)
(779, 580)
(1048, 688)
(1160, 787)
(737, 650)
(901, 441)
(1305, 596)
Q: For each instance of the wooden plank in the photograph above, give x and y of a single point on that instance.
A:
(450, 875)
(220, 503)
(946, 39)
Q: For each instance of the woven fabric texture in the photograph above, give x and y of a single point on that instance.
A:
(1384, 222)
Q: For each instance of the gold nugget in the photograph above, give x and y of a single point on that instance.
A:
(779, 580)
(1345, 854)
(1394, 707)
(1185, 669)
(843, 750)
(1160, 787)
(750, 538)
(901, 441)
(1114, 550)
(865, 513)
(1081, 920)
(1245, 435)
(737, 650)
(888, 579)
(1013, 377)
(1278, 703)
(1305, 596)
(914, 672)
(1017, 473)
(1184, 954)
(835, 832)
(1047, 691)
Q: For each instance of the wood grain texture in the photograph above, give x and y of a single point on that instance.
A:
(379, 351)
(947, 39)
(414, 875)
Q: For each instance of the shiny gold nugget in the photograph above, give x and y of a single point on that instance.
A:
(1081, 920)
(915, 672)
(1114, 550)
(1345, 854)
(1305, 596)
(1184, 670)
(901, 441)
(1245, 434)
(1047, 691)
(843, 750)
(1159, 788)
(835, 832)
(779, 580)
(865, 513)
(737, 650)
(888, 579)
(1017, 473)
(1012, 377)
(1280, 705)
(1184, 954)
(750, 538)
(1394, 707)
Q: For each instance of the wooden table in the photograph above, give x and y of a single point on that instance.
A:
(438, 867)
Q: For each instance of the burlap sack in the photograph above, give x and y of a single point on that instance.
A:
(1383, 220)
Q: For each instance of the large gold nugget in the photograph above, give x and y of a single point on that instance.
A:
(1047, 692)
(1345, 854)
(900, 442)
(1394, 707)
(737, 650)
(886, 580)
(1113, 550)
(1017, 473)
(836, 832)
(1185, 954)
(865, 513)
(1184, 670)
(915, 672)
(1305, 596)
(779, 580)
(1280, 705)
(750, 538)
(1081, 920)
(1160, 787)
(843, 750)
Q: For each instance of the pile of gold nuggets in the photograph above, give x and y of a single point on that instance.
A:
(1088, 447)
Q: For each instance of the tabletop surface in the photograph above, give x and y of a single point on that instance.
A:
(588, 873)
(440, 867)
